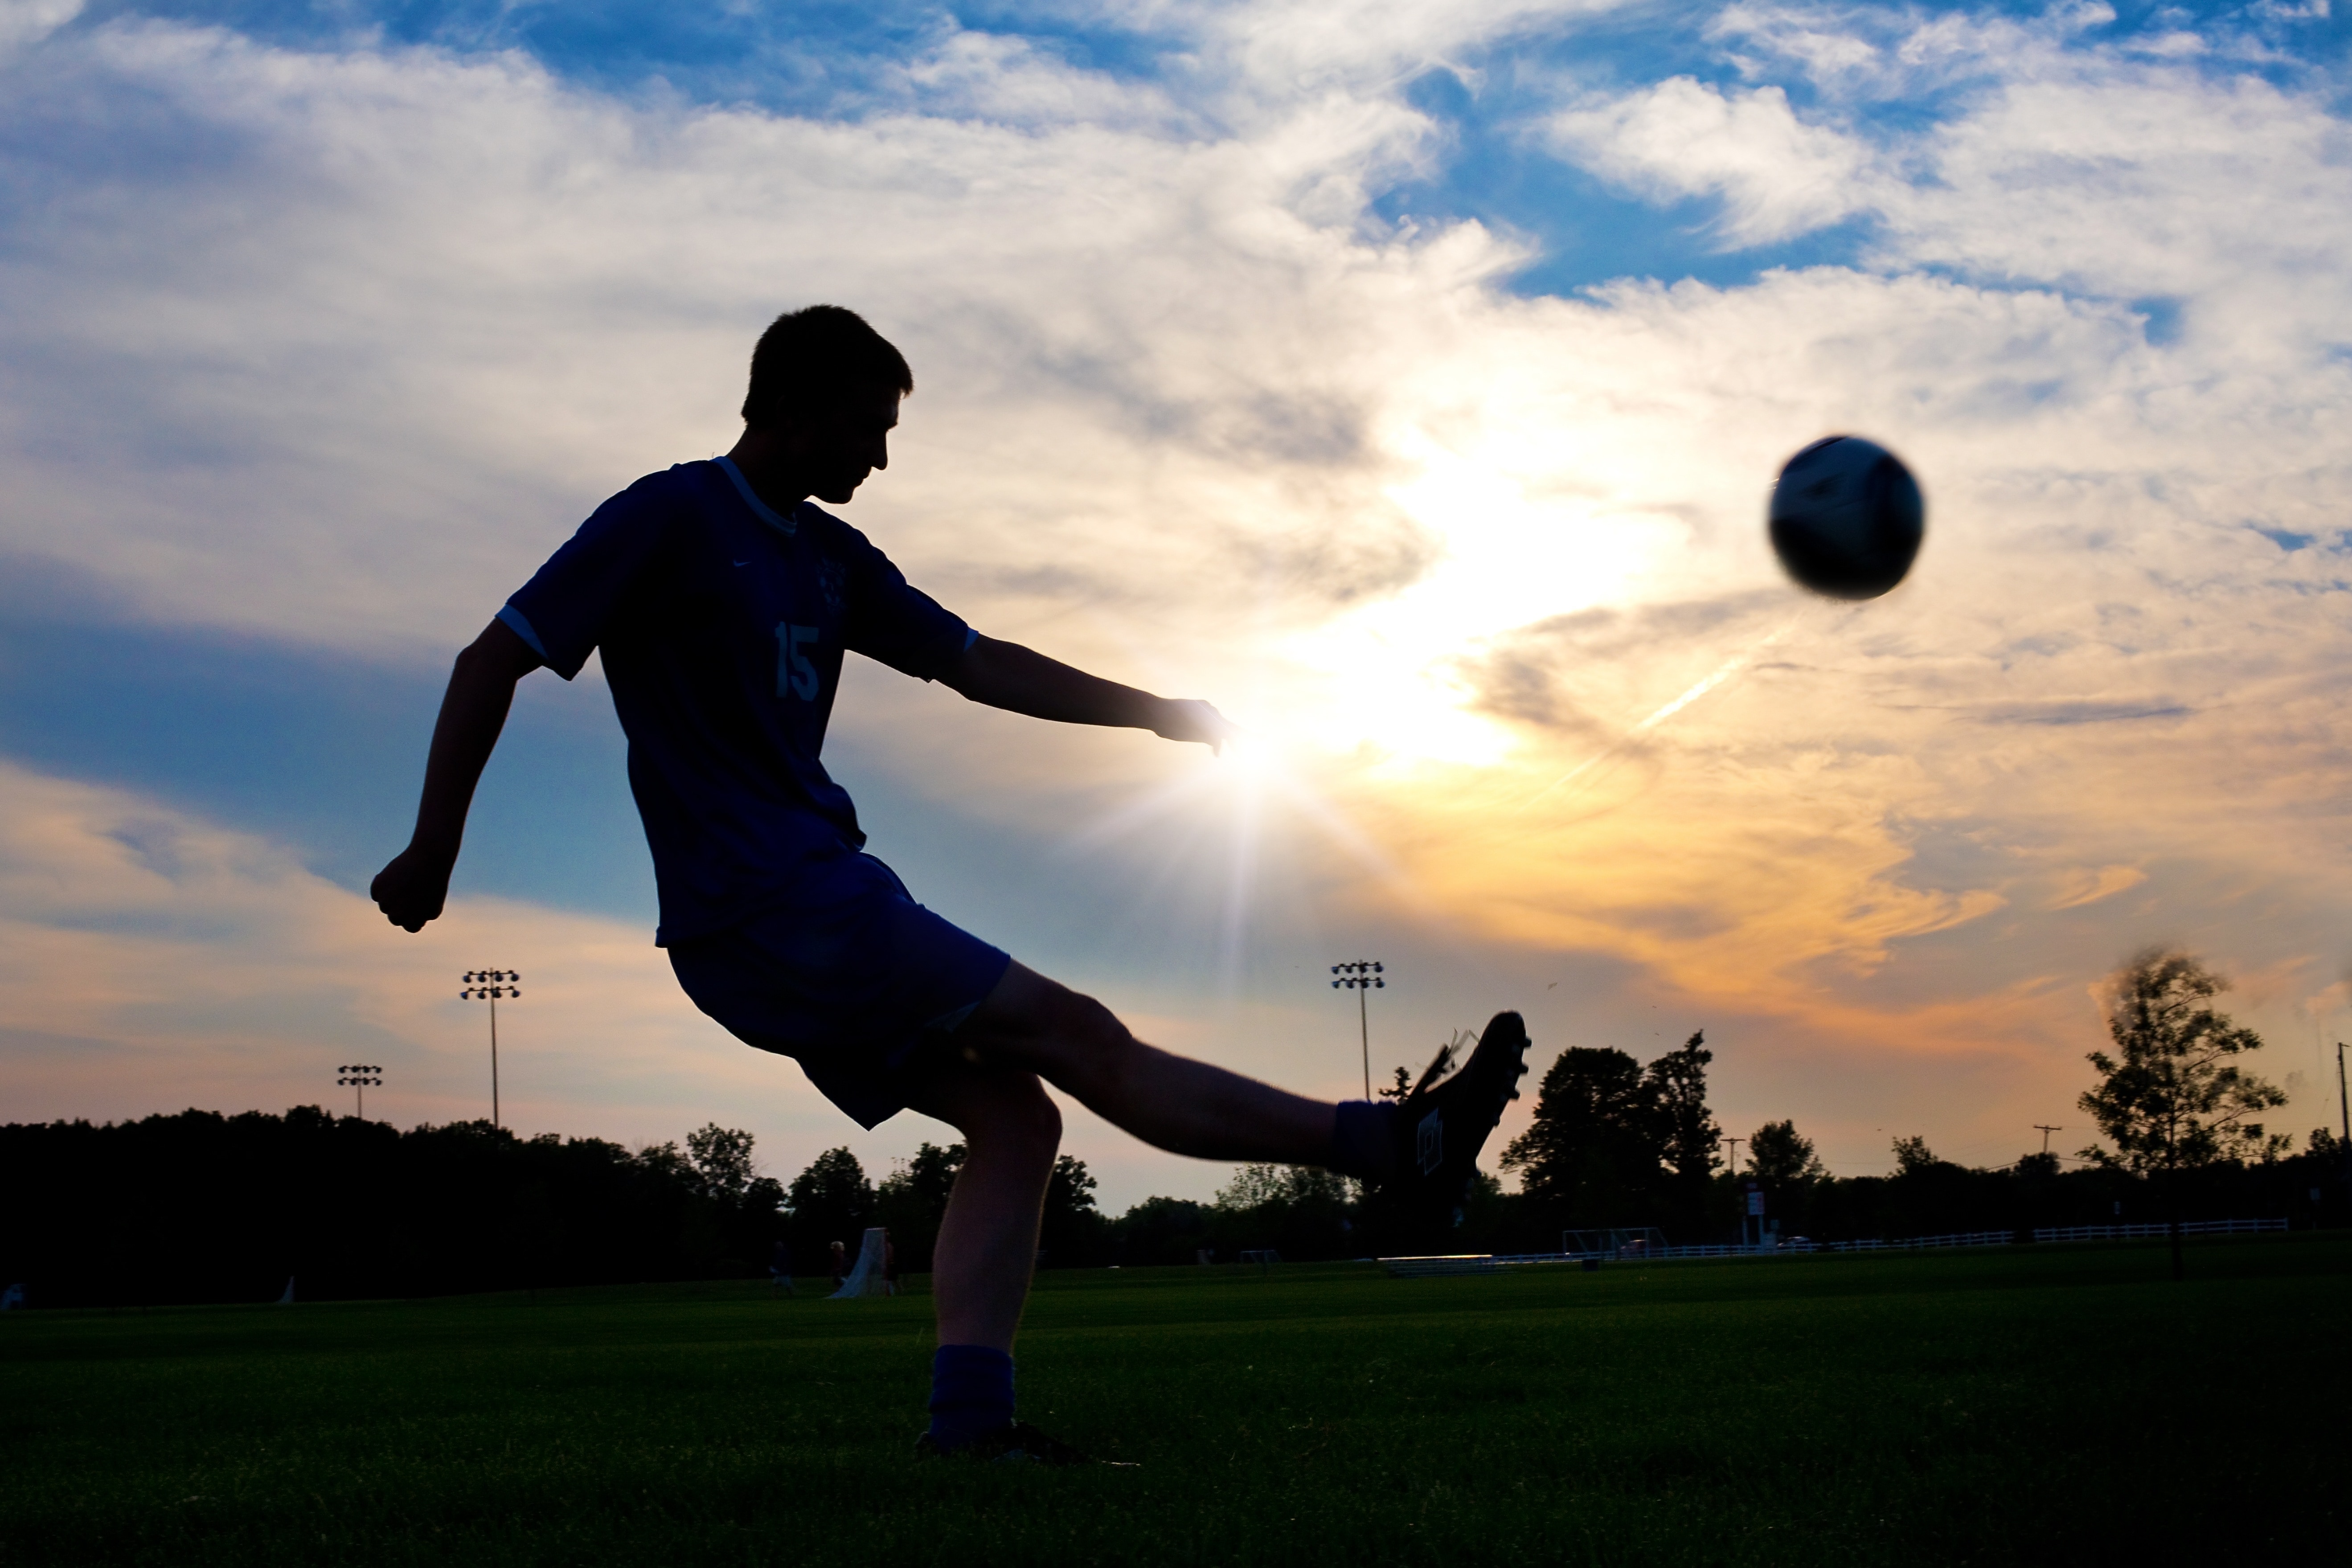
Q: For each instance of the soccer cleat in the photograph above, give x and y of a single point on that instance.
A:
(1442, 1126)
(1019, 1444)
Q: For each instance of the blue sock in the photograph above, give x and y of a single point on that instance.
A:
(1364, 1140)
(972, 1393)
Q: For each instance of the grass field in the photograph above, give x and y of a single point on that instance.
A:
(2036, 1406)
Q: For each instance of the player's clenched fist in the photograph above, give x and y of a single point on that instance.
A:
(411, 891)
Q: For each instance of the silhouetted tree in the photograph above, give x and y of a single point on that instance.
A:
(1677, 1084)
(1299, 1211)
(913, 1199)
(1782, 1158)
(1688, 1135)
(1161, 1230)
(2172, 1098)
(1073, 1232)
(831, 1201)
(1914, 1158)
(721, 1158)
(1593, 1153)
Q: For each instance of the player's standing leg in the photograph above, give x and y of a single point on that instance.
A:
(987, 1086)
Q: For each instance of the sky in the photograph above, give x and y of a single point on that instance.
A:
(1406, 378)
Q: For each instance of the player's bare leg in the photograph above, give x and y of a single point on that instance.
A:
(1078, 1045)
(988, 1239)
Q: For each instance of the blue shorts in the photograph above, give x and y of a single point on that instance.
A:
(850, 979)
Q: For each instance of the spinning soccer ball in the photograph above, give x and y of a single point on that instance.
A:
(1847, 518)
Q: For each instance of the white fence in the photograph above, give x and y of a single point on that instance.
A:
(2134, 1232)
(1489, 1263)
(1958, 1238)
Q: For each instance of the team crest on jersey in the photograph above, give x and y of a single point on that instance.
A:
(833, 581)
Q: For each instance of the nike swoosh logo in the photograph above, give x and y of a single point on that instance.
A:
(743, 562)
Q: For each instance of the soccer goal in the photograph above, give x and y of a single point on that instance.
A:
(1629, 1242)
(869, 1276)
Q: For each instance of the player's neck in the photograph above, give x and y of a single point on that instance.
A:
(761, 458)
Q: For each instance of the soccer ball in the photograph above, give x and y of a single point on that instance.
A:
(1847, 518)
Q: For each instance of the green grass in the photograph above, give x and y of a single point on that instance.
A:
(2043, 1406)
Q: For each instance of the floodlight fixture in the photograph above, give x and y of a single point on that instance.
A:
(358, 1078)
(489, 985)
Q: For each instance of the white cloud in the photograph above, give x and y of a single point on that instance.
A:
(1778, 177)
(26, 22)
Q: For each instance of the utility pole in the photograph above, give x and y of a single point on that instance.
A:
(489, 985)
(2045, 1133)
(1735, 1143)
(1359, 978)
(2342, 1104)
(357, 1078)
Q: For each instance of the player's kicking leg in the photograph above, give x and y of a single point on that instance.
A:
(1423, 1151)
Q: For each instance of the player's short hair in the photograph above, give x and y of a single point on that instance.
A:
(808, 358)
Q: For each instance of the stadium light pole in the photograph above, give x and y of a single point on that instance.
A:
(358, 1078)
(489, 985)
(1361, 976)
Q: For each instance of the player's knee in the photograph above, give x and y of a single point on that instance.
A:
(1100, 1049)
(1023, 1120)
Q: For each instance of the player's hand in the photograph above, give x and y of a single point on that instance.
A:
(1190, 719)
(411, 890)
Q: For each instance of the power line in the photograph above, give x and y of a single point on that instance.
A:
(2045, 1133)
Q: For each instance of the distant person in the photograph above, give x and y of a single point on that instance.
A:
(890, 1265)
(723, 601)
(779, 1267)
(840, 1264)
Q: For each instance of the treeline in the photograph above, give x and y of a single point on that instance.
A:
(202, 1206)
(207, 1207)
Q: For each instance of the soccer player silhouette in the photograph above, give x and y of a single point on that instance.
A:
(723, 600)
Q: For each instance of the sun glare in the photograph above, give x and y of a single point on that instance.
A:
(1391, 676)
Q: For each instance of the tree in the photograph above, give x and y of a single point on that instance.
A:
(722, 1157)
(1073, 1230)
(1914, 1158)
(1300, 1211)
(831, 1201)
(1781, 1157)
(1593, 1153)
(1677, 1086)
(1161, 1230)
(1688, 1138)
(2173, 1098)
(912, 1200)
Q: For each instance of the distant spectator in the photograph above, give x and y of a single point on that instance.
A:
(779, 1267)
(840, 1265)
(890, 1265)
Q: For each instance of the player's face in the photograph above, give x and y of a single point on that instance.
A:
(836, 451)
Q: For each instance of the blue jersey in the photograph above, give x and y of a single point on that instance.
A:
(722, 626)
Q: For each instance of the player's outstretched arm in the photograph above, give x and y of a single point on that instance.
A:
(1021, 680)
(411, 890)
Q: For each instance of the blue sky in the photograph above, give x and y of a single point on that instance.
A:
(1402, 377)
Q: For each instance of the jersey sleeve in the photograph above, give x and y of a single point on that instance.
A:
(889, 620)
(563, 610)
